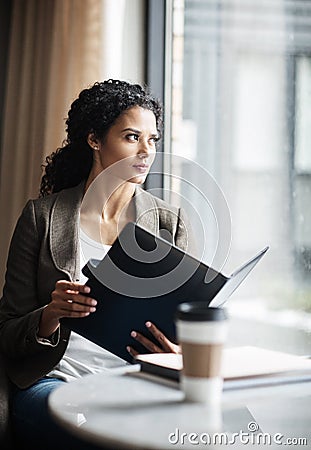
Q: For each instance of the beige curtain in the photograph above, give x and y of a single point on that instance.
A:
(54, 53)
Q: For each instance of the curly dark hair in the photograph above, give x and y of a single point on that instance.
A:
(94, 111)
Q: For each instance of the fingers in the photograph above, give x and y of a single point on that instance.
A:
(68, 299)
(164, 344)
(132, 351)
(151, 346)
(72, 309)
(68, 286)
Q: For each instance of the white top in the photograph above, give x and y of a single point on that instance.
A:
(90, 249)
(82, 356)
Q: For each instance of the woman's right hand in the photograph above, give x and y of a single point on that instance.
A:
(68, 300)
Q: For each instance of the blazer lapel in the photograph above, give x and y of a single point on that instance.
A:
(146, 211)
(64, 231)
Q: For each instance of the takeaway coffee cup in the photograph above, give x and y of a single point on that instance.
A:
(201, 332)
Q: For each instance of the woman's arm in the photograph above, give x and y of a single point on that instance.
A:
(67, 300)
(23, 316)
(20, 310)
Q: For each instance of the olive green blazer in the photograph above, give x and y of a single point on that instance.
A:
(43, 250)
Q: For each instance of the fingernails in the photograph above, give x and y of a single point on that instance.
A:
(93, 302)
(148, 324)
(133, 334)
(92, 309)
(87, 289)
(128, 349)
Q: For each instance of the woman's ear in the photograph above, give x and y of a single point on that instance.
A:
(93, 141)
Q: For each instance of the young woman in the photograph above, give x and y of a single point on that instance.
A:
(112, 132)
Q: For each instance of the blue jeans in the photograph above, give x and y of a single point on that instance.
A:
(33, 426)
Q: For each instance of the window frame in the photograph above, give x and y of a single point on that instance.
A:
(159, 23)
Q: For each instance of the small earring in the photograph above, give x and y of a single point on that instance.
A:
(95, 148)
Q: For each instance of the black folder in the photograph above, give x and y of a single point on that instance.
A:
(143, 278)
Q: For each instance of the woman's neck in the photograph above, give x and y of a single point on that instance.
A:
(106, 198)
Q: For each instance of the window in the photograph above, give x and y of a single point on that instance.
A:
(241, 153)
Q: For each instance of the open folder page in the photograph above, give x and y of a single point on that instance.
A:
(238, 363)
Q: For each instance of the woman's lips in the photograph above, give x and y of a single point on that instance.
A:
(141, 168)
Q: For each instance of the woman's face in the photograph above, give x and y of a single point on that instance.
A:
(129, 146)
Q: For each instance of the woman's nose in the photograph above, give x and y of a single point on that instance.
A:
(143, 150)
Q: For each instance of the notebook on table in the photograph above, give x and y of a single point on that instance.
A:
(143, 278)
(241, 366)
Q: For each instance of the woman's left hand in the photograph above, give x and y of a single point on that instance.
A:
(164, 346)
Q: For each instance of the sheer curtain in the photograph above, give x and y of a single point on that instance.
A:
(55, 51)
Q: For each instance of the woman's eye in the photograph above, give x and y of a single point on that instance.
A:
(154, 139)
(132, 137)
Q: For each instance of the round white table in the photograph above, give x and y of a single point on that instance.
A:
(138, 411)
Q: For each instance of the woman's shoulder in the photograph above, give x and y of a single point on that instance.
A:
(157, 213)
(169, 217)
(44, 201)
(157, 202)
(65, 195)
(67, 198)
